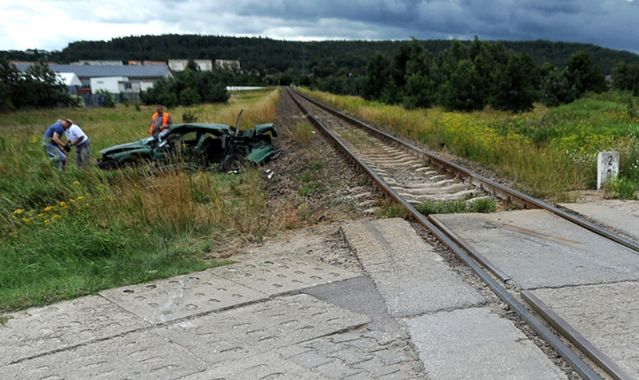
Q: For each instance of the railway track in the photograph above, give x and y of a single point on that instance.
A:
(410, 175)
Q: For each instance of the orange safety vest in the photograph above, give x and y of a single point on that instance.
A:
(165, 122)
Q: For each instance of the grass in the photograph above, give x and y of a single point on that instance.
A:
(302, 133)
(71, 233)
(310, 180)
(547, 152)
(620, 188)
(485, 205)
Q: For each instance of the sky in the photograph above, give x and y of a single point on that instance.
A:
(52, 24)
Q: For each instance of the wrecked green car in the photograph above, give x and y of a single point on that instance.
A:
(197, 144)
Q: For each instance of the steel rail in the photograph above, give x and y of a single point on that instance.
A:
(578, 364)
(504, 192)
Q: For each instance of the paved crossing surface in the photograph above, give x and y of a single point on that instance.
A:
(289, 315)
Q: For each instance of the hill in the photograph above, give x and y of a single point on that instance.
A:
(318, 57)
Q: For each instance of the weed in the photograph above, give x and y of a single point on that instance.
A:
(392, 210)
(303, 133)
(631, 106)
(319, 165)
(3, 320)
(310, 183)
(620, 188)
(482, 205)
(485, 205)
(189, 117)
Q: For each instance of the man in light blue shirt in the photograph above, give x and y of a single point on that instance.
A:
(53, 144)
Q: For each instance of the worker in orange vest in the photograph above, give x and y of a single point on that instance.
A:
(160, 121)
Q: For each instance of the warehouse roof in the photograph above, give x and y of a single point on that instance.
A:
(84, 71)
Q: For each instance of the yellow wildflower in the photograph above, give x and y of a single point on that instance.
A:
(49, 208)
(18, 211)
(27, 220)
(76, 183)
(47, 221)
(81, 198)
(63, 204)
(56, 217)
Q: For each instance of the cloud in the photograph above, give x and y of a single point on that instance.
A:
(52, 24)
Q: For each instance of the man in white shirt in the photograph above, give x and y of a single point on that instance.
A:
(76, 137)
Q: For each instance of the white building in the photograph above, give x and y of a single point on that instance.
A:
(180, 64)
(114, 85)
(98, 63)
(71, 81)
(227, 64)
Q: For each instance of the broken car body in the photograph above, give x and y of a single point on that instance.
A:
(199, 144)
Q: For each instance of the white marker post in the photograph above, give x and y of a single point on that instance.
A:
(607, 166)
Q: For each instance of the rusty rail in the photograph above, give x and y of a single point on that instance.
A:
(578, 364)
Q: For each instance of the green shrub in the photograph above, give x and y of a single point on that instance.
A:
(302, 133)
(189, 117)
(189, 96)
(107, 98)
(620, 188)
(484, 205)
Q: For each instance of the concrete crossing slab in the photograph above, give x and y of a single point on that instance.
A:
(221, 288)
(272, 276)
(139, 355)
(476, 344)
(622, 216)
(265, 366)
(260, 328)
(538, 249)
(410, 275)
(181, 296)
(606, 315)
(65, 324)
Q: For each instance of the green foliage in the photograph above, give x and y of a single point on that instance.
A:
(582, 72)
(620, 188)
(302, 133)
(189, 117)
(625, 76)
(420, 86)
(631, 106)
(107, 99)
(310, 183)
(37, 87)
(557, 88)
(462, 90)
(468, 77)
(378, 76)
(189, 96)
(514, 87)
(485, 205)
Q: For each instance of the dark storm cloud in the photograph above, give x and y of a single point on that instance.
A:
(606, 22)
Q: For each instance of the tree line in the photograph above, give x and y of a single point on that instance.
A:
(315, 58)
(471, 76)
(37, 87)
(189, 87)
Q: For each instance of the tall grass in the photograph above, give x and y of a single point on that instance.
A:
(547, 152)
(64, 234)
